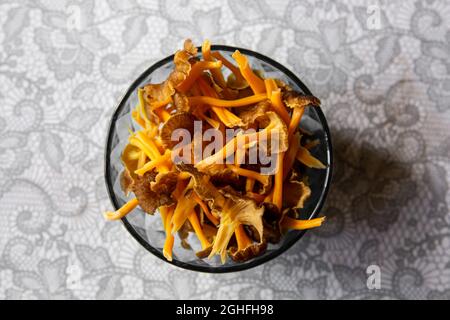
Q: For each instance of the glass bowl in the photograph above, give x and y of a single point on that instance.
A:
(148, 230)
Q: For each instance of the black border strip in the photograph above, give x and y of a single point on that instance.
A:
(219, 269)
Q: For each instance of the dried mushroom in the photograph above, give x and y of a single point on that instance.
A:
(150, 200)
(250, 114)
(181, 102)
(293, 99)
(253, 250)
(299, 193)
(183, 121)
(236, 211)
(161, 93)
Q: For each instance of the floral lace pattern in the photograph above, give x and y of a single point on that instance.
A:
(386, 93)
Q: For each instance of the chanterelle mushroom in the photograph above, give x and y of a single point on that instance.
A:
(150, 200)
(161, 93)
(293, 99)
(253, 250)
(236, 211)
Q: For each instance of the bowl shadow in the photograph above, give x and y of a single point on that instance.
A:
(366, 181)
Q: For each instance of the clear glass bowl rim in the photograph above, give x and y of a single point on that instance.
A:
(227, 268)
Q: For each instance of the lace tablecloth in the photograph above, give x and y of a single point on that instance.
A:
(381, 68)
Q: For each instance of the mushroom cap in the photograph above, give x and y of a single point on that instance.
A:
(150, 200)
(127, 176)
(181, 120)
(293, 99)
(162, 91)
(253, 250)
(298, 194)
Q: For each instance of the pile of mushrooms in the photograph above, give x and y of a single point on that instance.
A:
(234, 207)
